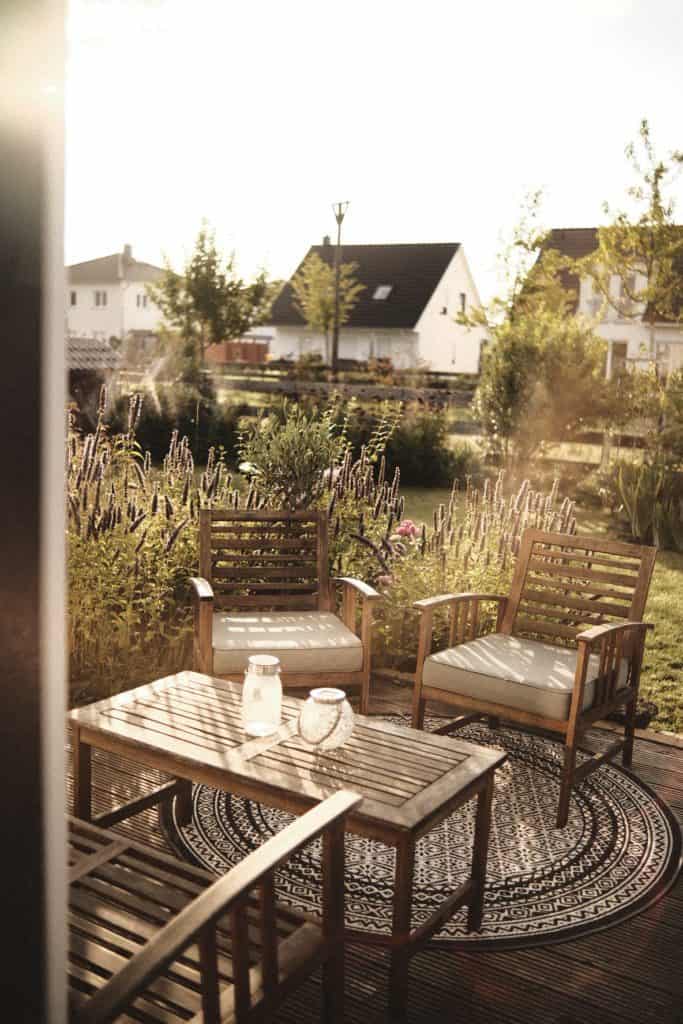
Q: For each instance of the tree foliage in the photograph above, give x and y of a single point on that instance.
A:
(209, 302)
(543, 371)
(644, 249)
(313, 287)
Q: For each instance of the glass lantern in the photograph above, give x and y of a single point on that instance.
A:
(262, 695)
(326, 719)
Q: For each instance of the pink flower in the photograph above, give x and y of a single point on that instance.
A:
(407, 529)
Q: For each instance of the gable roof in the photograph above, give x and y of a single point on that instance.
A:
(112, 269)
(90, 354)
(574, 243)
(412, 269)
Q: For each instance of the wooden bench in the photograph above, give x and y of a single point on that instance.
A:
(155, 940)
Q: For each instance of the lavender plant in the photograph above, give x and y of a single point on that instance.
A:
(132, 545)
(471, 543)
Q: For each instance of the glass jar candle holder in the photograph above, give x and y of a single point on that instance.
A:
(262, 696)
(326, 719)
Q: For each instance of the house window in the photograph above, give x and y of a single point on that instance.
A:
(100, 298)
(142, 300)
(382, 292)
(72, 298)
(463, 302)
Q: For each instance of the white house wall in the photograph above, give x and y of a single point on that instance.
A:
(120, 315)
(642, 346)
(445, 346)
(354, 343)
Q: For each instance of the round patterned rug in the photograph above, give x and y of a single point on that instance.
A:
(620, 851)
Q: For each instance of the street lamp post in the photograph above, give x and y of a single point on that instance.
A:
(339, 213)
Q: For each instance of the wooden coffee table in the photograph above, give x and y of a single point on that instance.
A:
(189, 726)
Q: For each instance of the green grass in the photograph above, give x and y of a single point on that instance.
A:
(662, 677)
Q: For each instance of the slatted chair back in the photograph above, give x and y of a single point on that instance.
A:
(565, 584)
(270, 561)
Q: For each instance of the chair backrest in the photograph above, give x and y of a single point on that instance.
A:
(565, 583)
(265, 560)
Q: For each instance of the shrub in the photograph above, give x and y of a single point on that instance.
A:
(419, 446)
(418, 443)
(287, 459)
(193, 414)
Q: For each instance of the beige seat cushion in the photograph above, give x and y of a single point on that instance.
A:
(303, 641)
(524, 674)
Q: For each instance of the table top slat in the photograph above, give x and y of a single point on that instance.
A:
(348, 775)
(174, 731)
(383, 763)
(183, 719)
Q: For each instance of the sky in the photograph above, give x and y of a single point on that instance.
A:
(432, 119)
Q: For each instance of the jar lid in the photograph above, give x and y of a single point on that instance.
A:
(328, 695)
(263, 665)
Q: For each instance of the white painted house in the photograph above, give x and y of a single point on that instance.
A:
(406, 312)
(106, 297)
(631, 340)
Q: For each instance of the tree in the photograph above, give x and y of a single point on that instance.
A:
(542, 373)
(313, 287)
(542, 380)
(209, 302)
(645, 250)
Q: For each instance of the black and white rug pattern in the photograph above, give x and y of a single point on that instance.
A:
(620, 852)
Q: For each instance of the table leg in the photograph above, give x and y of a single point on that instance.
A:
(184, 802)
(82, 775)
(480, 851)
(400, 933)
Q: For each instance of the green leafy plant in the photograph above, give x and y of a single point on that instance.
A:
(652, 501)
(286, 460)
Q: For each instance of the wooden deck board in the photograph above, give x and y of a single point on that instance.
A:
(627, 974)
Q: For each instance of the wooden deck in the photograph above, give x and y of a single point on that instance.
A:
(629, 974)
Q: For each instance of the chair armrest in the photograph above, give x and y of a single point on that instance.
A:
(211, 904)
(367, 592)
(201, 588)
(595, 633)
(441, 599)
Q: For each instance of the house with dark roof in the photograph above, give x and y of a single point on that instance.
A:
(107, 298)
(621, 322)
(406, 312)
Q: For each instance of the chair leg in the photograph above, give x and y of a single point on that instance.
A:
(566, 785)
(418, 717)
(629, 733)
(364, 704)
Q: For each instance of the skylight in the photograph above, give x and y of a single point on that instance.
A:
(382, 291)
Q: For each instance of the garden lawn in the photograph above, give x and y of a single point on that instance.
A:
(662, 677)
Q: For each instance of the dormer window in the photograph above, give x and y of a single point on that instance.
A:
(382, 292)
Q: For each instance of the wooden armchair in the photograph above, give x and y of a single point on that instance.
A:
(153, 939)
(264, 587)
(566, 649)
